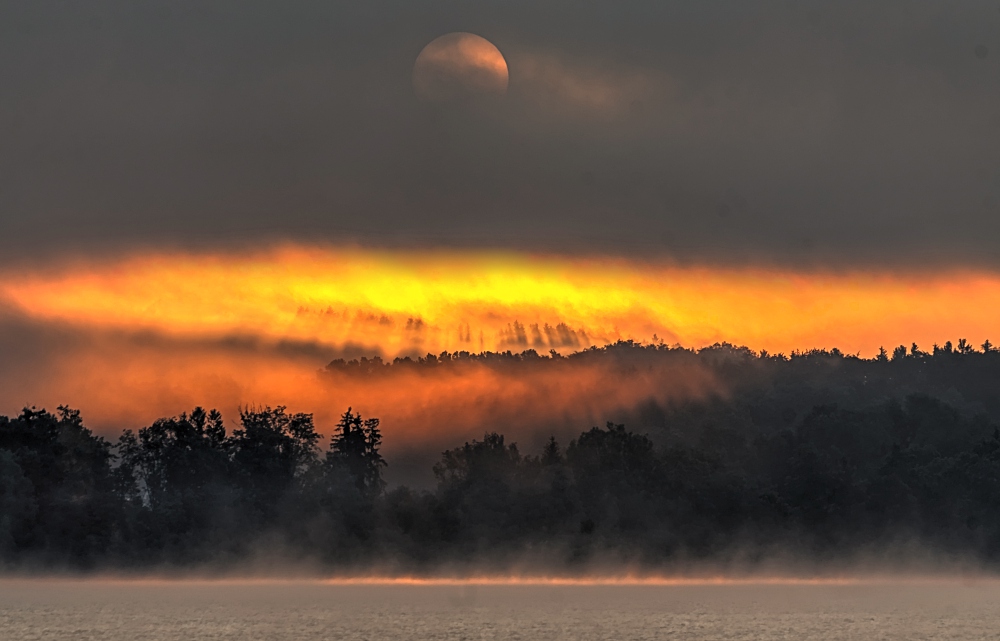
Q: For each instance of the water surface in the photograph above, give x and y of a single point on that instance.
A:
(53, 610)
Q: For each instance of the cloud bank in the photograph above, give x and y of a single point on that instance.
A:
(721, 131)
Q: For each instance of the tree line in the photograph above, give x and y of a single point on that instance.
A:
(817, 455)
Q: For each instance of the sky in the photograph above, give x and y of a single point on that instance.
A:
(203, 202)
(715, 131)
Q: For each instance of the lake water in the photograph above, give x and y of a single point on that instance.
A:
(188, 611)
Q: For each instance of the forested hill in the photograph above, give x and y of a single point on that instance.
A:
(819, 456)
(749, 390)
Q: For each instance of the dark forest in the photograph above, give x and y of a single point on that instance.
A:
(818, 456)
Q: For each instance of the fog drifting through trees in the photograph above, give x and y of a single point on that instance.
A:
(816, 459)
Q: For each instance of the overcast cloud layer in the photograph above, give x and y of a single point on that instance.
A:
(709, 130)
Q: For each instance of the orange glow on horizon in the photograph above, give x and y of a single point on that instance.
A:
(611, 580)
(152, 336)
(120, 386)
(412, 303)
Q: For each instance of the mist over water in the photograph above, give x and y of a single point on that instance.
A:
(167, 611)
(298, 342)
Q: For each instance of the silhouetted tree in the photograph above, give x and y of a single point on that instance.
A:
(271, 451)
(489, 460)
(179, 478)
(71, 511)
(355, 447)
(552, 454)
(17, 506)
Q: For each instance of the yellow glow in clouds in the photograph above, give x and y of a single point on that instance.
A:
(398, 303)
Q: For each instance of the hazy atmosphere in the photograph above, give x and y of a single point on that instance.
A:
(721, 131)
(426, 319)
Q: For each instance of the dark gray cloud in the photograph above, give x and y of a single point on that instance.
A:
(714, 130)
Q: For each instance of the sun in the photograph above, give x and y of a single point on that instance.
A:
(459, 66)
